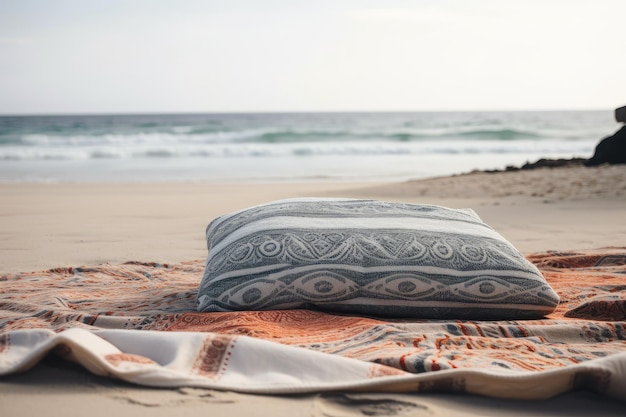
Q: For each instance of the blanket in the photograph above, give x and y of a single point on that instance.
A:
(137, 322)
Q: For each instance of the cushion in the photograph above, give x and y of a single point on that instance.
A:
(368, 257)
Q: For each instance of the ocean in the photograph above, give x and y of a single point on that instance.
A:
(278, 147)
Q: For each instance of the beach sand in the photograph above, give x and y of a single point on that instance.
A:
(52, 225)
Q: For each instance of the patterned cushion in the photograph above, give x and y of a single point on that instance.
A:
(370, 258)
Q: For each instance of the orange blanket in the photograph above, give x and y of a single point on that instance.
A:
(590, 322)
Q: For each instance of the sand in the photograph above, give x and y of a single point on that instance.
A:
(50, 225)
(59, 389)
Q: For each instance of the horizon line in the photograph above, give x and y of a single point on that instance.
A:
(234, 112)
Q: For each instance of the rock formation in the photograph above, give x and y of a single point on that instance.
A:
(612, 150)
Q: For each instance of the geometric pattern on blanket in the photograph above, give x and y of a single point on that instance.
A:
(368, 257)
(137, 322)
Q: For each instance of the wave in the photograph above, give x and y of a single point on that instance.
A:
(279, 127)
(297, 135)
(255, 147)
(289, 136)
(403, 135)
(500, 134)
(294, 136)
(245, 150)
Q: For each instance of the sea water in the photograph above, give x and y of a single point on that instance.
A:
(271, 147)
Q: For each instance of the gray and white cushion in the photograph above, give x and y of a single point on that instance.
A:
(368, 257)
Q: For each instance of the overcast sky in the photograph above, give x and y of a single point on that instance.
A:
(118, 56)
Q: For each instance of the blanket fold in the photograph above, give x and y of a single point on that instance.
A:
(137, 322)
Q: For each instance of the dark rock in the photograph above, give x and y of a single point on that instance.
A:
(620, 114)
(554, 163)
(611, 150)
(541, 163)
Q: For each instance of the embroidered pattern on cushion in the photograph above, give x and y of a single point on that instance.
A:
(368, 257)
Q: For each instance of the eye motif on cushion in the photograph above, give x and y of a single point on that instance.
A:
(368, 257)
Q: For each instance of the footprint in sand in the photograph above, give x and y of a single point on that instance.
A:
(351, 405)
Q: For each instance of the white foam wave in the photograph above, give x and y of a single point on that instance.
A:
(225, 150)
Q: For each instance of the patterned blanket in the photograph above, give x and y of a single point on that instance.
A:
(137, 322)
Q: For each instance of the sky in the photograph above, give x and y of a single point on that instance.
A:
(155, 56)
